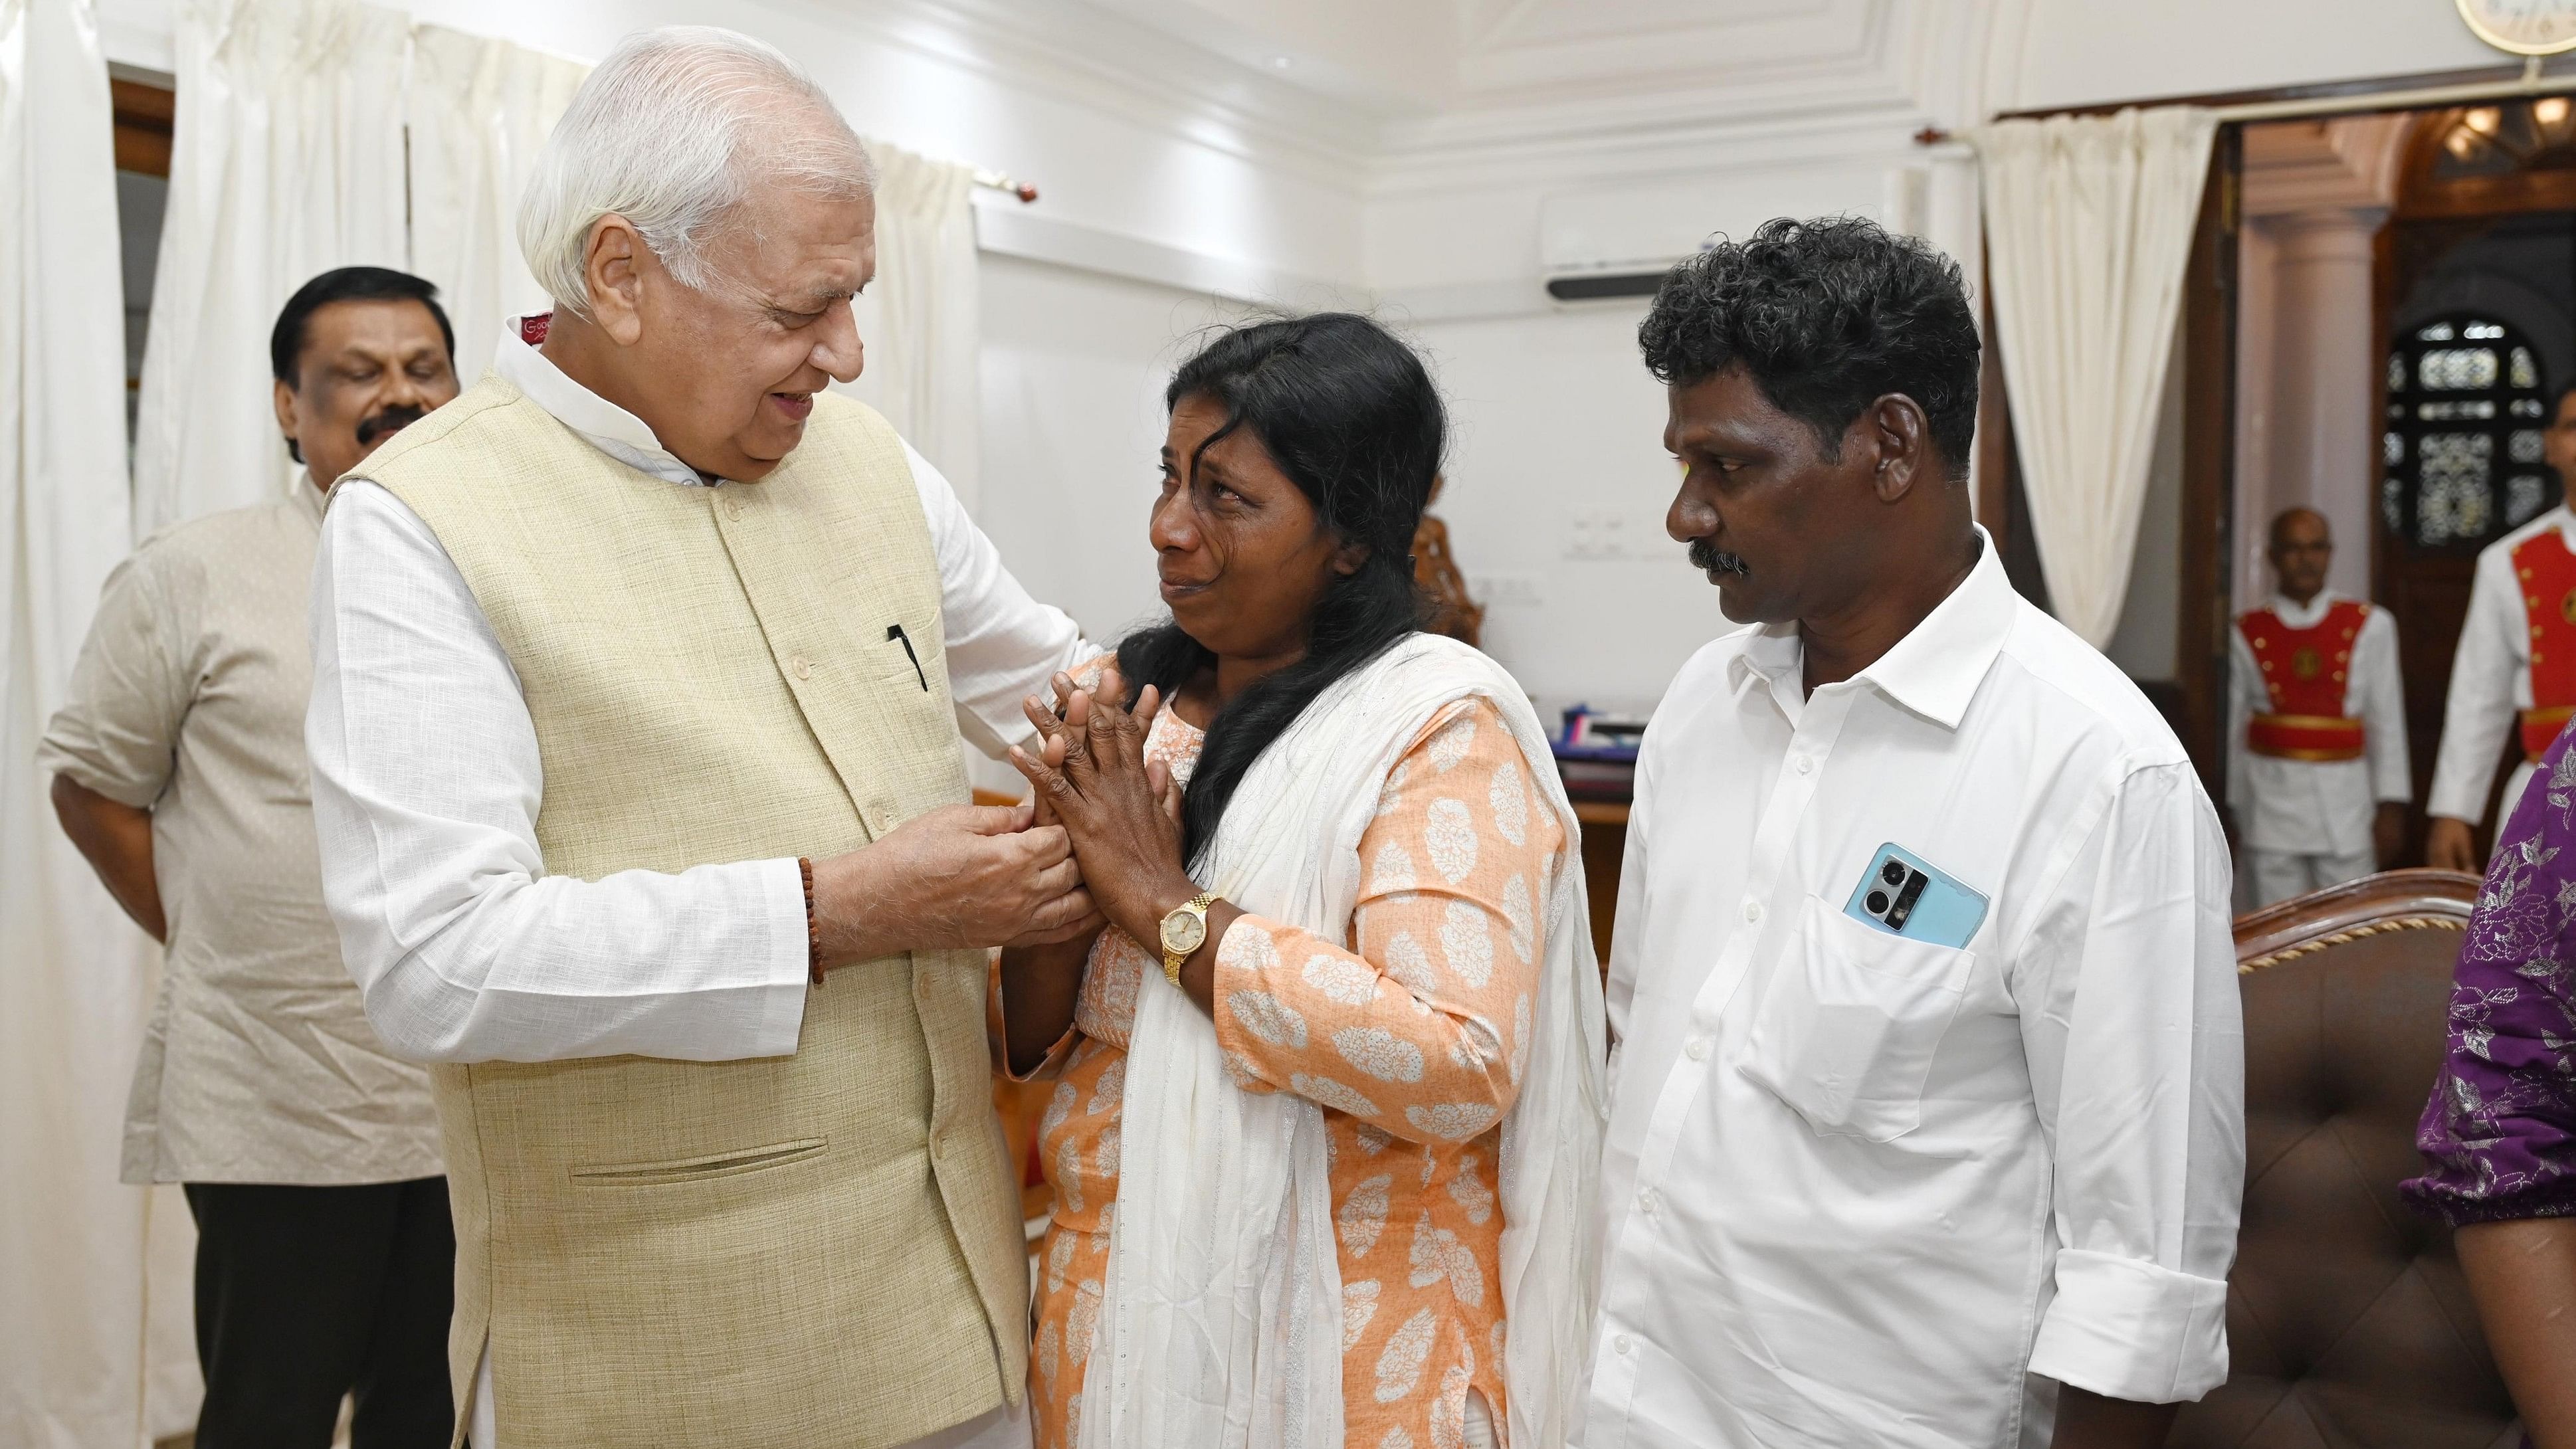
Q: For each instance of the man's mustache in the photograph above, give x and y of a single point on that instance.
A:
(392, 420)
(1710, 559)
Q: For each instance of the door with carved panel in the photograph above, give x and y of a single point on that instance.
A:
(2478, 304)
(2461, 458)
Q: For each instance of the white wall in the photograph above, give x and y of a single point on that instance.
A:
(1074, 369)
(1555, 419)
(1555, 423)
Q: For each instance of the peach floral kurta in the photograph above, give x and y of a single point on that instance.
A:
(1411, 1033)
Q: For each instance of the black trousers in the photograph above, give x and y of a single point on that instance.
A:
(305, 1294)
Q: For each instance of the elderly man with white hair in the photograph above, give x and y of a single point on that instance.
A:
(639, 672)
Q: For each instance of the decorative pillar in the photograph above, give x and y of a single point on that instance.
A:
(2321, 437)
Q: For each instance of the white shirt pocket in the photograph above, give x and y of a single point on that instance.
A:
(1847, 1025)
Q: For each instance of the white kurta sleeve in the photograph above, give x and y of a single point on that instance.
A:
(1003, 645)
(2376, 668)
(2480, 709)
(426, 783)
(2130, 975)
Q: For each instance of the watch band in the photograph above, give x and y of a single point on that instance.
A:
(1172, 960)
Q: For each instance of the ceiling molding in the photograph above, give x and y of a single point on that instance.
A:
(1651, 139)
(2323, 166)
(1098, 59)
(1763, 72)
(1031, 236)
(1575, 49)
(1844, 78)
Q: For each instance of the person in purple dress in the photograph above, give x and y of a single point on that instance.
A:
(2500, 1131)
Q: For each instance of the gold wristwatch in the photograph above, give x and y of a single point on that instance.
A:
(1184, 931)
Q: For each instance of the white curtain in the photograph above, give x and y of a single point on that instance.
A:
(480, 110)
(2089, 223)
(922, 349)
(288, 162)
(75, 977)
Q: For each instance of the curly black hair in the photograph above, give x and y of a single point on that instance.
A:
(1826, 316)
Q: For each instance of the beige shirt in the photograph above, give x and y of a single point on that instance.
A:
(188, 700)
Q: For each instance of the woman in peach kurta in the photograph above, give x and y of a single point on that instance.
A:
(1418, 1019)
(1405, 1033)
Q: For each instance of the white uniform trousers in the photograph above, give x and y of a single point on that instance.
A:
(2277, 875)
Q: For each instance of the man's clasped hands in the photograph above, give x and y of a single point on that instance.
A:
(1100, 841)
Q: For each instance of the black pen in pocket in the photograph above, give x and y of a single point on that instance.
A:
(894, 633)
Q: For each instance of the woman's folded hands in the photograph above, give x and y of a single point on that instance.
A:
(1090, 775)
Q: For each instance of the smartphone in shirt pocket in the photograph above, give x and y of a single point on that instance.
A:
(1902, 896)
(1856, 1004)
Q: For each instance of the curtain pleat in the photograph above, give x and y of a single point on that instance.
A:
(923, 349)
(288, 161)
(2089, 222)
(87, 1295)
(480, 110)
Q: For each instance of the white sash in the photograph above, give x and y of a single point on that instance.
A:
(1221, 1323)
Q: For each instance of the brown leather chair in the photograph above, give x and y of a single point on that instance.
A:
(2349, 1325)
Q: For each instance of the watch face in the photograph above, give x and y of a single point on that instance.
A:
(2524, 27)
(1183, 932)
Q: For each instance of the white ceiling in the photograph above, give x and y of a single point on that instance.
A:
(1411, 57)
(1512, 48)
(1385, 84)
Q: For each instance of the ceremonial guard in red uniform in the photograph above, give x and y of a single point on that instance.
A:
(2316, 769)
(2515, 670)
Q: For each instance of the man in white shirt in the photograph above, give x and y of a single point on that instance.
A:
(2515, 668)
(2316, 731)
(1927, 1106)
(634, 672)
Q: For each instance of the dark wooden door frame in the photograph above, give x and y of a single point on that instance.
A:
(2208, 534)
(144, 117)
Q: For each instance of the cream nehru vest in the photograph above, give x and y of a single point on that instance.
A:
(821, 1249)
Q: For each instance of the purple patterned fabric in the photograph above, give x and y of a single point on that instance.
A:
(2500, 1130)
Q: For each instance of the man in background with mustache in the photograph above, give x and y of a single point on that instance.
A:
(324, 1249)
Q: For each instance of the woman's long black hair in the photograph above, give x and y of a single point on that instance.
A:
(1350, 415)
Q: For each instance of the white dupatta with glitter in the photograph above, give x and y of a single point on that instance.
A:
(1220, 1321)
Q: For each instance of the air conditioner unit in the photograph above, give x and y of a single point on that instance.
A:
(1619, 241)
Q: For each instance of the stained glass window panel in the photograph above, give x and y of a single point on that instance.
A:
(2524, 496)
(2456, 369)
(2454, 488)
(2456, 411)
(2462, 445)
